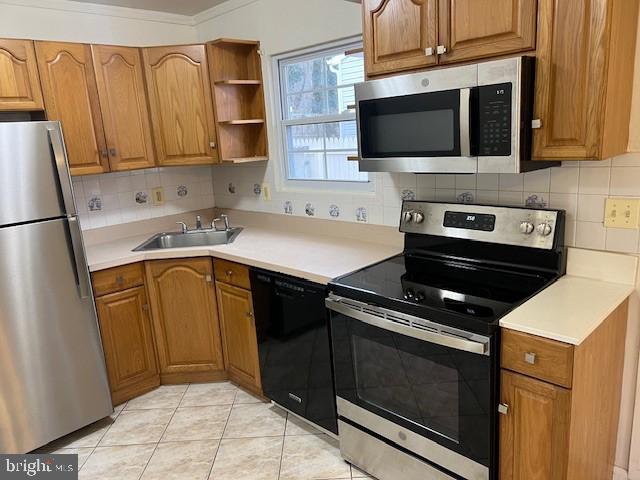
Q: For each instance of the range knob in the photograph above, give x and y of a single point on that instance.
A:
(419, 298)
(409, 294)
(407, 217)
(544, 229)
(526, 228)
(418, 217)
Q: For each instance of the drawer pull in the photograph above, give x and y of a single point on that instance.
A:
(229, 273)
(530, 358)
(119, 279)
(503, 408)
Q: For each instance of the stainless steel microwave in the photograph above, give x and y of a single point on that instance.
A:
(468, 119)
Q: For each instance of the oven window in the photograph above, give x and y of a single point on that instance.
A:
(411, 126)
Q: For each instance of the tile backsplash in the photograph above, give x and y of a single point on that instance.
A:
(123, 197)
(580, 188)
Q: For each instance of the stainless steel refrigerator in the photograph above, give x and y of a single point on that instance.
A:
(52, 373)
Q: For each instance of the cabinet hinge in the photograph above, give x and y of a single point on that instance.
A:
(503, 409)
(536, 123)
(208, 278)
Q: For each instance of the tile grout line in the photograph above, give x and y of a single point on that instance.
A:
(103, 435)
(284, 437)
(213, 462)
(163, 432)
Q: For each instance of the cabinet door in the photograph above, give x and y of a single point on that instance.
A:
(128, 345)
(235, 306)
(71, 96)
(19, 80)
(398, 34)
(570, 79)
(181, 105)
(472, 29)
(534, 432)
(125, 112)
(185, 320)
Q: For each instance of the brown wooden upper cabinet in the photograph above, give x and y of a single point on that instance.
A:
(443, 31)
(19, 79)
(71, 96)
(471, 29)
(181, 105)
(185, 318)
(584, 78)
(399, 35)
(123, 100)
(98, 94)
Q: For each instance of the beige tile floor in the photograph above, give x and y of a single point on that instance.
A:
(203, 432)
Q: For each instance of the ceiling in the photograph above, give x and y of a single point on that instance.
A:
(182, 7)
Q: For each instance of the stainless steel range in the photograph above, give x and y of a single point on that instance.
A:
(415, 337)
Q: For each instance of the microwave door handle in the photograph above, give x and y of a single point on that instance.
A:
(437, 338)
(465, 120)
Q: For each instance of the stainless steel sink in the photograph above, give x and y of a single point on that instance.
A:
(163, 241)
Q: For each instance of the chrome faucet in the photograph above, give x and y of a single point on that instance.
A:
(183, 227)
(198, 222)
(225, 219)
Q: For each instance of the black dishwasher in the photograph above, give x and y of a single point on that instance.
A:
(294, 347)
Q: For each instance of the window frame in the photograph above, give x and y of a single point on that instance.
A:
(279, 63)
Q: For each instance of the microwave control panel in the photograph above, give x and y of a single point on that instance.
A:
(494, 113)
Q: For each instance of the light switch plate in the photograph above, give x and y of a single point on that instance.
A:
(157, 196)
(622, 213)
(266, 192)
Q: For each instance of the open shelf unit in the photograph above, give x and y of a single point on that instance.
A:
(238, 93)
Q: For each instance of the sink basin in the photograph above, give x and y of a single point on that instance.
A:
(163, 241)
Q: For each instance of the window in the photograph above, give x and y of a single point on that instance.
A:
(318, 128)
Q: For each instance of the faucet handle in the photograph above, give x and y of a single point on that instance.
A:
(183, 226)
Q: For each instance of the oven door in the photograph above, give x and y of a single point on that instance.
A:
(426, 388)
(418, 132)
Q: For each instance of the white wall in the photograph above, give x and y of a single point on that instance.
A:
(65, 20)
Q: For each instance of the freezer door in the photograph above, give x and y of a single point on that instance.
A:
(52, 373)
(34, 176)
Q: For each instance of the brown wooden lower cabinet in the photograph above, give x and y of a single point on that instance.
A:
(553, 432)
(235, 306)
(185, 319)
(127, 340)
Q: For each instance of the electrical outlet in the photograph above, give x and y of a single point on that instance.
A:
(157, 196)
(266, 192)
(622, 213)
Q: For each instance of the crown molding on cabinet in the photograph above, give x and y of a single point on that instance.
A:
(105, 10)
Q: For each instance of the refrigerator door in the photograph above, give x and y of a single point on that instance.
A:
(34, 177)
(52, 373)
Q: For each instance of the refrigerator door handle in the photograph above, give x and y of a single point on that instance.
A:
(80, 262)
(62, 166)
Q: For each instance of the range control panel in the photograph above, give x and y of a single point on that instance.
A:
(520, 226)
(470, 221)
(494, 104)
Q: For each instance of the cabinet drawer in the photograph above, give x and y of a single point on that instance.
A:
(537, 357)
(117, 279)
(232, 273)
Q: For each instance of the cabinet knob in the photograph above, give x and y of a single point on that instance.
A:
(503, 409)
(212, 144)
(229, 273)
(440, 49)
(249, 314)
(428, 52)
(145, 307)
(104, 153)
(530, 358)
(119, 279)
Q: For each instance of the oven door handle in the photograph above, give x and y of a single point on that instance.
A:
(465, 121)
(449, 341)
